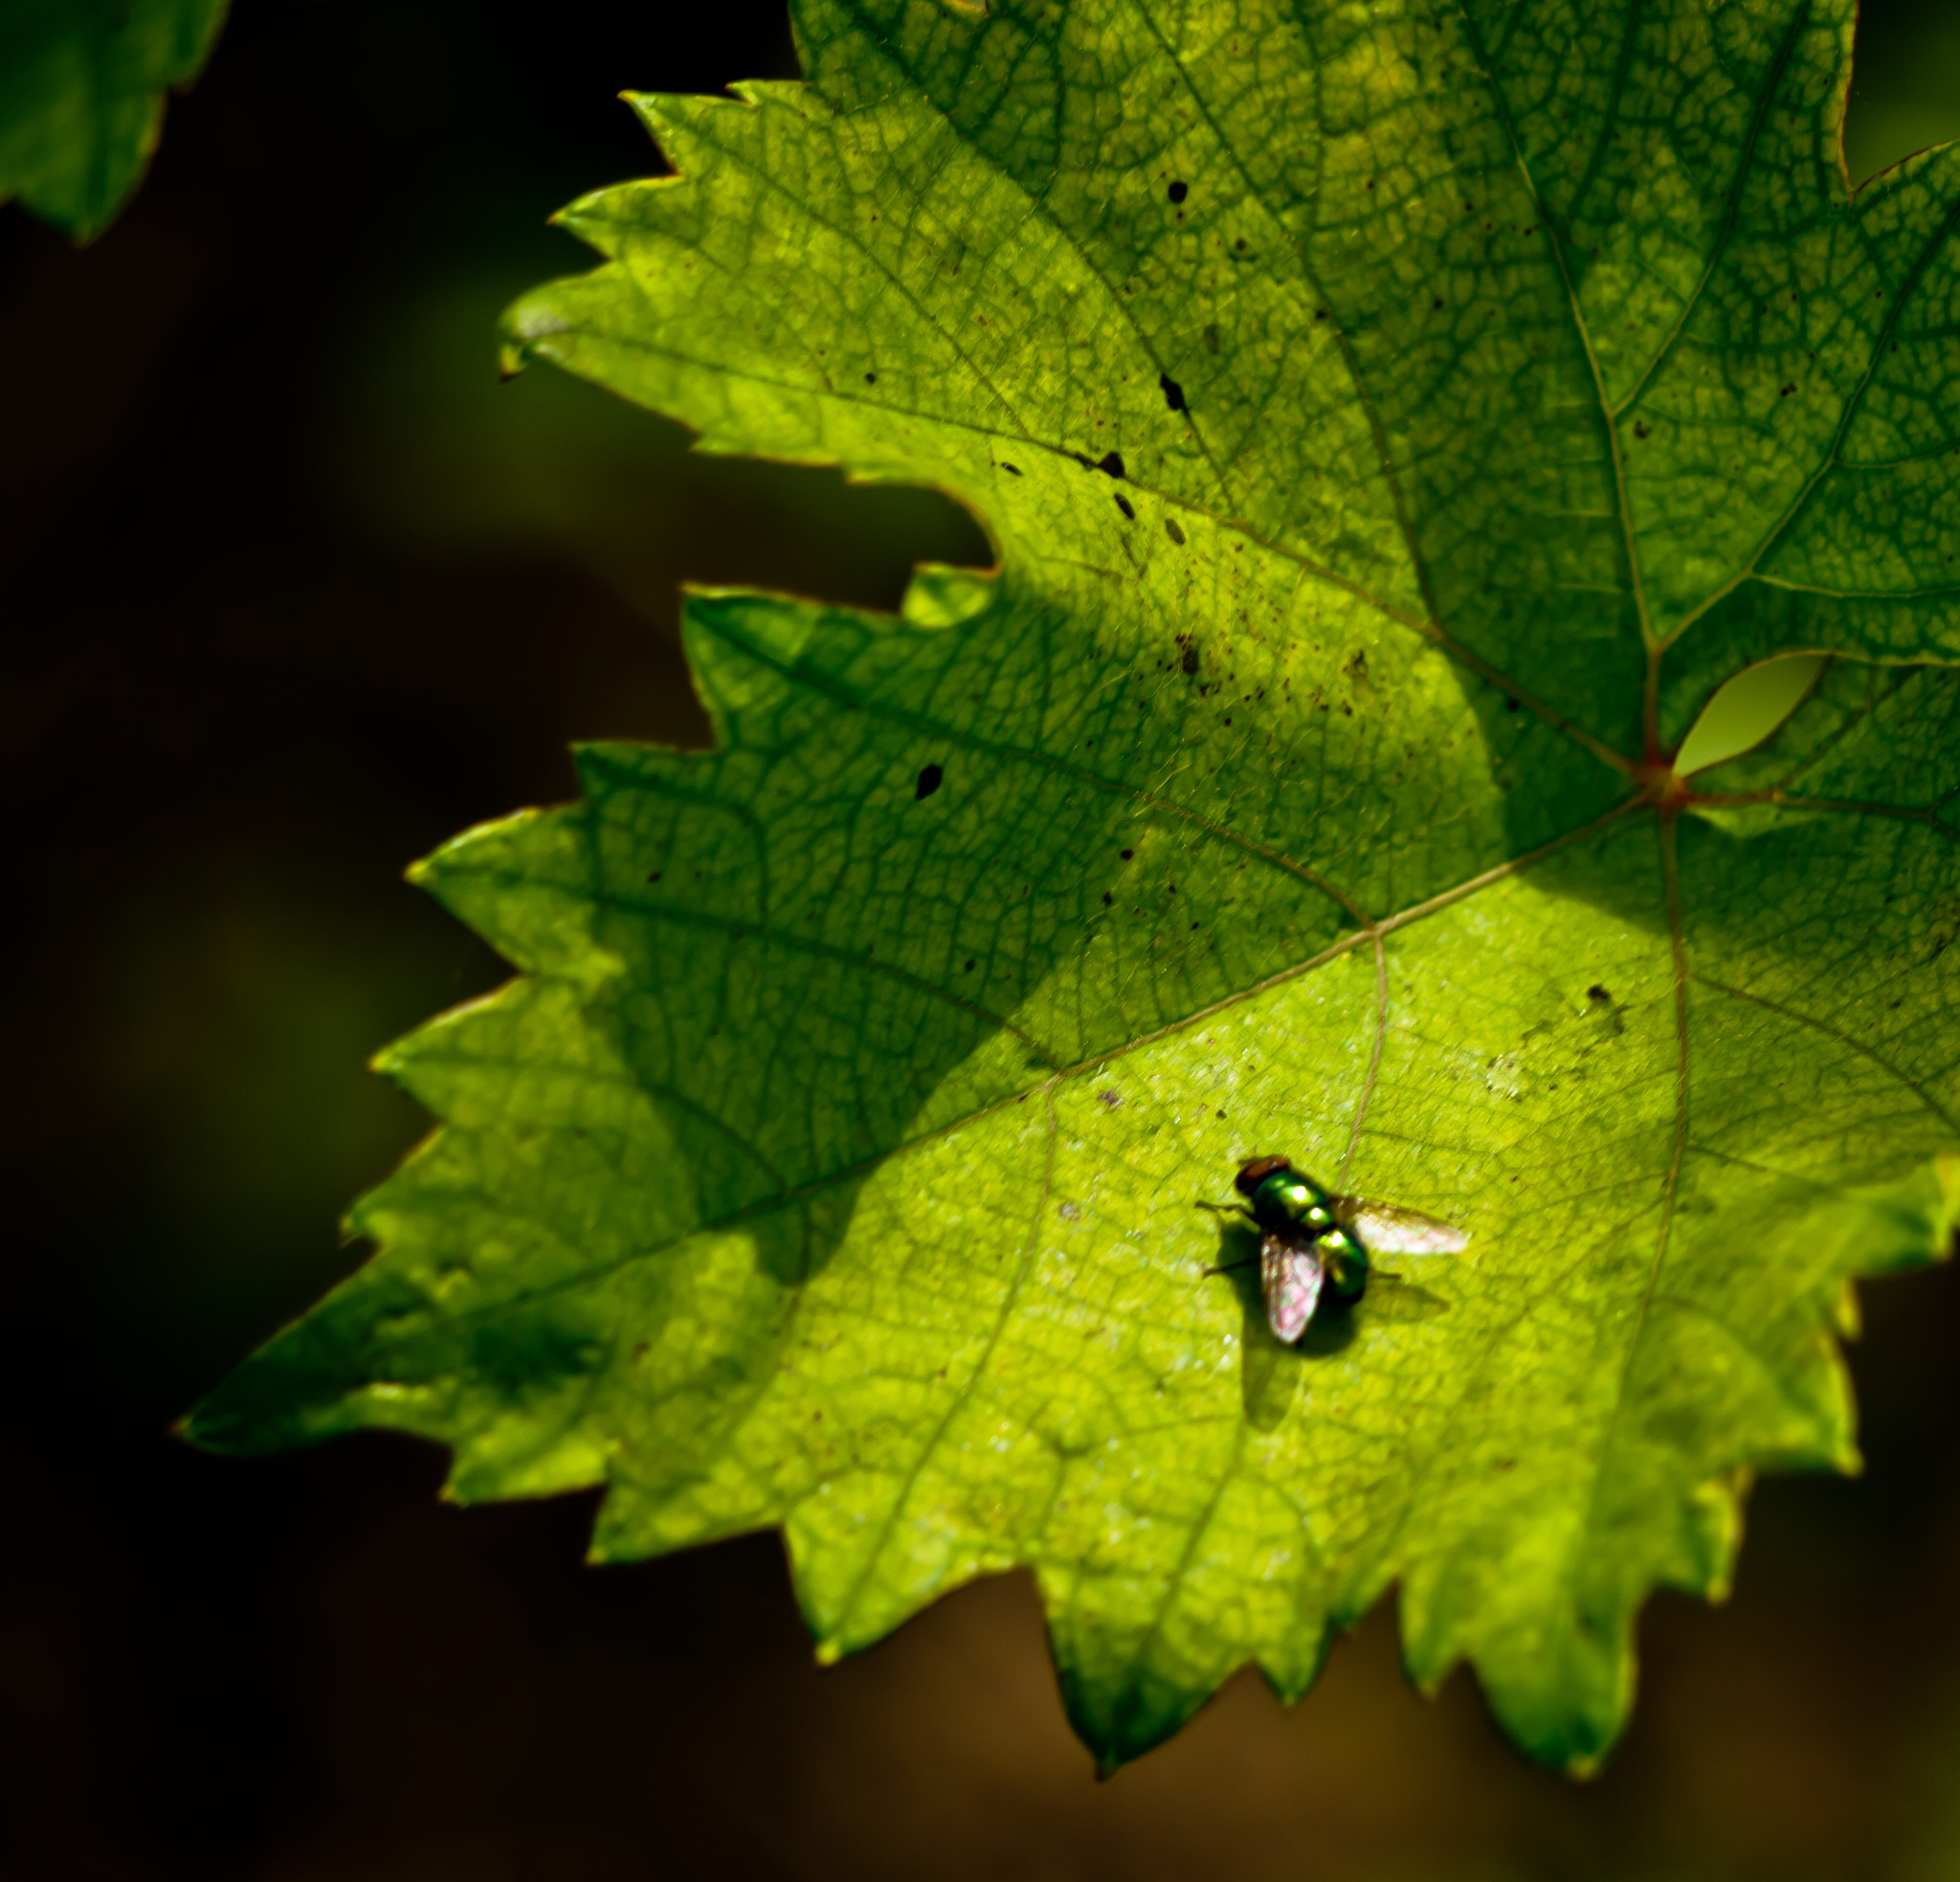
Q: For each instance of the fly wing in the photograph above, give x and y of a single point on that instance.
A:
(1387, 1230)
(1290, 1277)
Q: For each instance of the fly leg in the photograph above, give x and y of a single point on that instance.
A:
(1244, 1214)
(1229, 1209)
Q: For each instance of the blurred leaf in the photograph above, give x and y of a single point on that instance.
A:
(81, 98)
(431, 453)
(1394, 430)
(1905, 94)
(1747, 709)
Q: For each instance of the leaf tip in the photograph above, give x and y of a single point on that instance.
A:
(203, 1430)
(646, 107)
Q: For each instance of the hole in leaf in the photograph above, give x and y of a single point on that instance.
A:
(1747, 709)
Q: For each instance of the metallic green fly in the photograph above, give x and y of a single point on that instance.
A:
(1313, 1243)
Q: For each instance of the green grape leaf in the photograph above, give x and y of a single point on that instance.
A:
(1394, 423)
(81, 98)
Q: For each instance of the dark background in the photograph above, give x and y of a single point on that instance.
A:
(293, 590)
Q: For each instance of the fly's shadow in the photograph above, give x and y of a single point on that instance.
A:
(1269, 1369)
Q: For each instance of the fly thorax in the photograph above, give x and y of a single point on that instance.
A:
(1288, 1198)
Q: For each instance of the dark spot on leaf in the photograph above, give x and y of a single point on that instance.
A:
(1172, 530)
(1597, 992)
(1239, 244)
(1642, 429)
(1013, 470)
(1178, 192)
(1787, 391)
(1173, 393)
(1108, 900)
(1127, 854)
(655, 877)
(1110, 461)
(1435, 306)
(1123, 504)
(1211, 339)
(929, 780)
(1510, 705)
(1109, 1098)
(871, 378)
(1188, 661)
(1221, 1113)
(968, 968)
